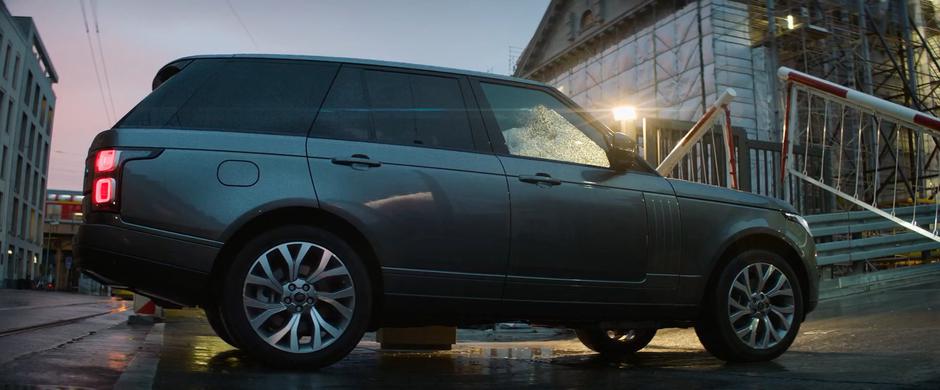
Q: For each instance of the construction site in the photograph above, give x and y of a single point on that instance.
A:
(863, 170)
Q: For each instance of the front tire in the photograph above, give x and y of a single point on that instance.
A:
(297, 296)
(615, 342)
(754, 311)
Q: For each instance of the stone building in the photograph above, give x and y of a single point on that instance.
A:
(670, 59)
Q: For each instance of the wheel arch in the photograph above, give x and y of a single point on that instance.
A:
(300, 215)
(766, 239)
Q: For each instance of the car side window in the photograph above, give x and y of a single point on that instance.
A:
(536, 124)
(395, 108)
(258, 96)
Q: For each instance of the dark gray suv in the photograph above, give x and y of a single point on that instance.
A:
(302, 201)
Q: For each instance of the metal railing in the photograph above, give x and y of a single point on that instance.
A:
(852, 236)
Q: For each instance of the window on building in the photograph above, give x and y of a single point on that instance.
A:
(396, 108)
(14, 216)
(18, 173)
(33, 225)
(24, 224)
(53, 212)
(49, 121)
(28, 193)
(42, 112)
(42, 190)
(29, 86)
(22, 135)
(3, 114)
(45, 156)
(536, 124)
(587, 19)
(16, 71)
(32, 141)
(36, 100)
(37, 188)
(9, 122)
(3, 166)
(6, 62)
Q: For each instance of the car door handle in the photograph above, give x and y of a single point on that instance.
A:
(356, 160)
(539, 178)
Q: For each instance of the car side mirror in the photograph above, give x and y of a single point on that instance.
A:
(622, 152)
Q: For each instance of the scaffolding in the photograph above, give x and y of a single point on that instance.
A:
(888, 49)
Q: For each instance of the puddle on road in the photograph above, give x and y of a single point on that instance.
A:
(211, 354)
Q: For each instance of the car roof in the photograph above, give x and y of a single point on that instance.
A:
(361, 61)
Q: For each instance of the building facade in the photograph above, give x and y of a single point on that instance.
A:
(669, 59)
(27, 104)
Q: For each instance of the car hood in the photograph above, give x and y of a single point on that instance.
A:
(687, 189)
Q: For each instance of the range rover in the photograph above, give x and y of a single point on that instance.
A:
(302, 201)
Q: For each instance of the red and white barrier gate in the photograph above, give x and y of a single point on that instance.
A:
(866, 151)
(719, 110)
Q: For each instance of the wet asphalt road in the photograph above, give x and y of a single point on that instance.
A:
(889, 339)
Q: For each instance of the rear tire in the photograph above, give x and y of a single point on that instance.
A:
(753, 312)
(615, 342)
(214, 315)
(297, 296)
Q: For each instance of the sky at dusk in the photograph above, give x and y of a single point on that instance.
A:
(138, 37)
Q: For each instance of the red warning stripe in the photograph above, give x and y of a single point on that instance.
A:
(148, 308)
(819, 84)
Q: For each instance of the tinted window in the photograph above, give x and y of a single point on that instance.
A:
(345, 112)
(266, 96)
(163, 103)
(395, 108)
(240, 95)
(533, 123)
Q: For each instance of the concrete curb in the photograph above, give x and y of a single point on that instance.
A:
(895, 278)
(141, 371)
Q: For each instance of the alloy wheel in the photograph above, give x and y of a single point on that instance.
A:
(761, 305)
(299, 297)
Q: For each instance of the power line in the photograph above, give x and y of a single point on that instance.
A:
(242, 23)
(94, 61)
(104, 65)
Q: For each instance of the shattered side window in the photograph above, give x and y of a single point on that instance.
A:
(535, 124)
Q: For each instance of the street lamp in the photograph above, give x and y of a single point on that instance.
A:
(626, 115)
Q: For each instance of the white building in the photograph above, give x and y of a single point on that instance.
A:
(663, 57)
(27, 104)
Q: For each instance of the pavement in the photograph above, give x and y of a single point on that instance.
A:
(885, 339)
(36, 320)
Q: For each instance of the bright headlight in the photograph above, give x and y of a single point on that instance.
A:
(800, 220)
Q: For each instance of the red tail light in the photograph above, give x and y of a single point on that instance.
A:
(104, 190)
(106, 160)
(106, 174)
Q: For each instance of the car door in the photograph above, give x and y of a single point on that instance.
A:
(581, 231)
(398, 153)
